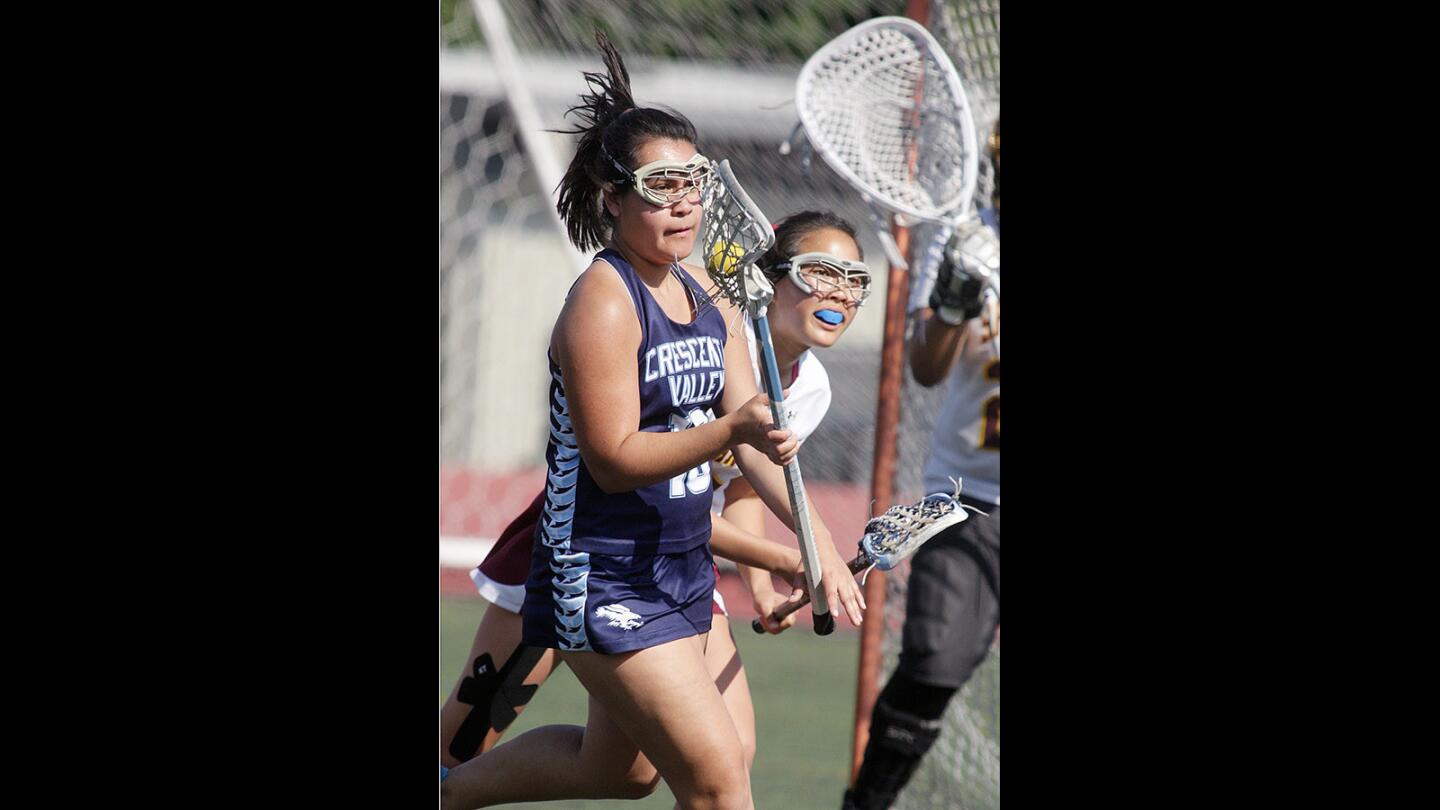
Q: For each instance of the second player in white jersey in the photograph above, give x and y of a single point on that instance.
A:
(820, 283)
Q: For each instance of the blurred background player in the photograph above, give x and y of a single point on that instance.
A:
(813, 306)
(952, 608)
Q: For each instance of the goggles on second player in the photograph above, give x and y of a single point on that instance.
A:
(823, 273)
(666, 182)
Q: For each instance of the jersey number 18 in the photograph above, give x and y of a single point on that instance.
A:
(697, 480)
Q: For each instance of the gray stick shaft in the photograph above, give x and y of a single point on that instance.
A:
(809, 553)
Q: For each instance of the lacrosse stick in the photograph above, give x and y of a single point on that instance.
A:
(892, 538)
(884, 107)
(735, 234)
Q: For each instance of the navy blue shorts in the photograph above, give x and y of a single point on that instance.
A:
(576, 600)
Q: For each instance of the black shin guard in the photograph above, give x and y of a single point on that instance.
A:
(495, 697)
(898, 741)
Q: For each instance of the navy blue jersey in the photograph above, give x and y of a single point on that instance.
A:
(681, 373)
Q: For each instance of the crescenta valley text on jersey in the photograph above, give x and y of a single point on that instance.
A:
(693, 368)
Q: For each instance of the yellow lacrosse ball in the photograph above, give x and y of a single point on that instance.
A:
(724, 258)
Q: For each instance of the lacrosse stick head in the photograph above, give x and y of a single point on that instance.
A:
(892, 537)
(883, 105)
(735, 235)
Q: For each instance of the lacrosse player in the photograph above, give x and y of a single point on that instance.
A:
(952, 610)
(621, 580)
(816, 300)
(820, 283)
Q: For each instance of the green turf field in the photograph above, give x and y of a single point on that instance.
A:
(804, 691)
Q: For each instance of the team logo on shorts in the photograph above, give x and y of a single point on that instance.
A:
(620, 616)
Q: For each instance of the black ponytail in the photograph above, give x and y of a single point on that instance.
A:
(611, 129)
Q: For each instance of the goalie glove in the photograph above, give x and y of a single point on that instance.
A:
(969, 258)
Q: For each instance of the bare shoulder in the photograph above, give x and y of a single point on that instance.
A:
(598, 311)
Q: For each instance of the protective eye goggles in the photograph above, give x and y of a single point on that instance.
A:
(823, 273)
(666, 182)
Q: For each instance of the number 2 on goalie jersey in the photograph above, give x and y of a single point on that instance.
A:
(697, 480)
(990, 412)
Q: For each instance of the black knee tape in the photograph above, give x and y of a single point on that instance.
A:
(913, 697)
(495, 695)
(898, 741)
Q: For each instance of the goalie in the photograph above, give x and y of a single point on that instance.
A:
(952, 611)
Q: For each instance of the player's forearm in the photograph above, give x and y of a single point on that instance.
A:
(768, 481)
(934, 348)
(643, 458)
(757, 581)
(737, 545)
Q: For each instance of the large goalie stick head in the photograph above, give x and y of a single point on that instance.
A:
(736, 233)
(883, 105)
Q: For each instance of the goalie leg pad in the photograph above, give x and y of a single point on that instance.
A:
(495, 696)
(898, 741)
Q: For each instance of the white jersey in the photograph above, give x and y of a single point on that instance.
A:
(805, 407)
(966, 442)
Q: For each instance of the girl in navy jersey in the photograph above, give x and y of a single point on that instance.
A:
(813, 306)
(622, 575)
